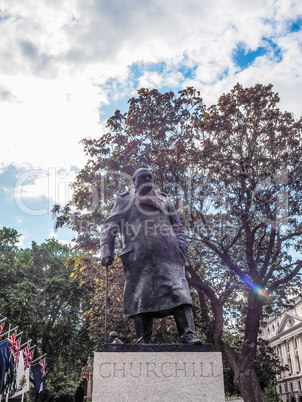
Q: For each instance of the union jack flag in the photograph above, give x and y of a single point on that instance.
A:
(12, 341)
(28, 357)
(15, 348)
(43, 366)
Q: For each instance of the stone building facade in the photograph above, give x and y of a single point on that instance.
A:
(284, 334)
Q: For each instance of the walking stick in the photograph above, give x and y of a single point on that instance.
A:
(106, 298)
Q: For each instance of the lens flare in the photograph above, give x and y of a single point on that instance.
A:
(256, 288)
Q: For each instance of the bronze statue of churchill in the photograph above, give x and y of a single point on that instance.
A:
(153, 256)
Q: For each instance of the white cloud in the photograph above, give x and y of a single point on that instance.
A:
(46, 127)
(52, 235)
(62, 60)
(150, 80)
(50, 186)
(20, 242)
(67, 243)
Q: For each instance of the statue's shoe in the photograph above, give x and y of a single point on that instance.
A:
(191, 340)
(145, 341)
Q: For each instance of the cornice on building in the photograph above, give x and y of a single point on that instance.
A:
(276, 325)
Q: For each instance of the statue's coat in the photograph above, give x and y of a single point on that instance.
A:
(153, 253)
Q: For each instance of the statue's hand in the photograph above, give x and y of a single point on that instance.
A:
(106, 261)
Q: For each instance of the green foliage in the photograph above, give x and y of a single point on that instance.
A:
(60, 389)
(8, 236)
(267, 365)
(91, 275)
(270, 393)
(38, 294)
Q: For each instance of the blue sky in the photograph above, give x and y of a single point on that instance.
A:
(66, 66)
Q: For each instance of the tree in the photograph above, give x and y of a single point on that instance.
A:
(8, 236)
(252, 150)
(86, 268)
(47, 304)
(233, 172)
(267, 365)
(8, 249)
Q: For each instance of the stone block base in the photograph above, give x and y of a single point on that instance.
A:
(158, 376)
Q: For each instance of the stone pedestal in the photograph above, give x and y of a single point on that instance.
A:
(157, 373)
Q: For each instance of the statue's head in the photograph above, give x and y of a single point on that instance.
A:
(143, 179)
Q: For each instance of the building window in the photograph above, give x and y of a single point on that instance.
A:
(280, 389)
(298, 364)
(295, 343)
(291, 386)
(290, 366)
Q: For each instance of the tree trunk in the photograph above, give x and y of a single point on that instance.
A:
(245, 377)
(242, 363)
(247, 382)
